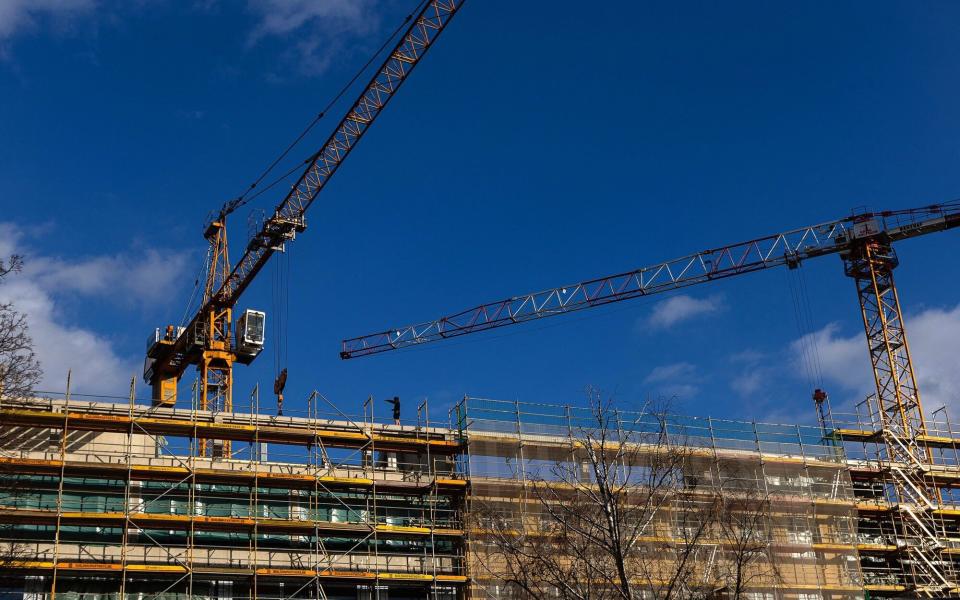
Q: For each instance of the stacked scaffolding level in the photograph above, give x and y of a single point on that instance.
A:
(112, 498)
(909, 543)
(808, 530)
(115, 498)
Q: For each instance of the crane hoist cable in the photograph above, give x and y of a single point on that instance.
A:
(814, 339)
(280, 307)
(209, 341)
(248, 195)
(806, 342)
(192, 304)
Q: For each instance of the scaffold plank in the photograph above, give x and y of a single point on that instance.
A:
(242, 473)
(299, 432)
(209, 523)
(265, 572)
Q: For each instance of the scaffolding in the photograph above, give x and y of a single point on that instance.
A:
(108, 498)
(116, 498)
(909, 542)
(810, 527)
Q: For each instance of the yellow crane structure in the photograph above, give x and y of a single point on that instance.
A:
(209, 340)
(865, 243)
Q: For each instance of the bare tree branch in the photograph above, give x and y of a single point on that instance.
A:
(13, 265)
(19, 368)
(19, 375)
(630, 511)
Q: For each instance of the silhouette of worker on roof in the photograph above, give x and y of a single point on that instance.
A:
(395, 401)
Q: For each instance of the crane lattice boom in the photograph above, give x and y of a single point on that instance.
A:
(207, 336)
(288, 217)
(788, 248)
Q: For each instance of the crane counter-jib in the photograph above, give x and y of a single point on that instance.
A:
(781, 249)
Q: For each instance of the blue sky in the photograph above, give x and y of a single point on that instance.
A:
(533, 147)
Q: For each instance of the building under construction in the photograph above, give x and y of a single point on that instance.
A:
(116, 499)
(155, 500)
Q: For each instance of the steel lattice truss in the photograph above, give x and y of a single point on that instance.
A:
(787, 248)
(871, 266)
(288, 217)
(889, 354)
(289, 214)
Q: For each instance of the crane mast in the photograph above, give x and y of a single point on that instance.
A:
(870, 262)
(208, 340)
(871, 266)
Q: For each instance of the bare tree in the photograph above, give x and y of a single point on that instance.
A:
(12, 265)
(630, 511)
(588, 522)
(19, 369)
(19, 374)
(745, 528)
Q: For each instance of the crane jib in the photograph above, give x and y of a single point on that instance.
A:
(288, 217)
(788, 249)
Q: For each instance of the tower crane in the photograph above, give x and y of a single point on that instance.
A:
(864, 242)
(209, 341)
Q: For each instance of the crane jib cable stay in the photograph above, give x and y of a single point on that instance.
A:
(208, 340)
(252, 191)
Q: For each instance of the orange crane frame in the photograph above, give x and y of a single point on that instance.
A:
(207, 341)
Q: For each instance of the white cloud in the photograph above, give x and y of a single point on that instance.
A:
(934, 337)
(749, 382)
(677, 309)
(17, 16)
(676, 379)
(756, 372)
(670, 372)
(48, 286)
(842, 360)
(133, 278)
(316, 30)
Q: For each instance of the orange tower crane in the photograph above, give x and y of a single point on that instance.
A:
(209, 341)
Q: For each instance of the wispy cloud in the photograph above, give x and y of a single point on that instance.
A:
(749, 382)
(747, 357)
(842, 359)
(932, 333)
(23, 16)
(675, 379)
(670, 372)
(311, 34)
(755, 371)
(315, 31)
(677, 309)
(48, 290)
